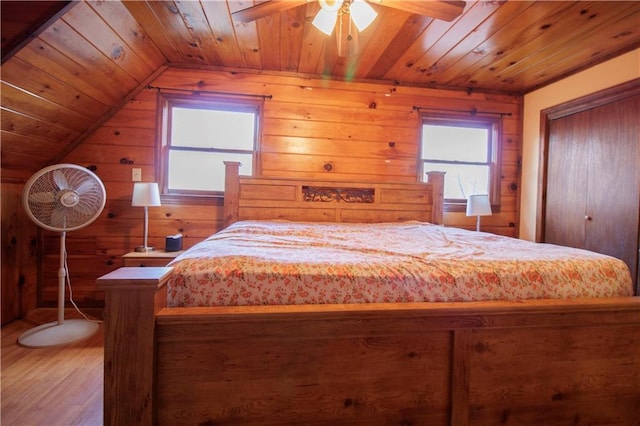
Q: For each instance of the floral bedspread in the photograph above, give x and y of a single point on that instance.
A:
(279, 262)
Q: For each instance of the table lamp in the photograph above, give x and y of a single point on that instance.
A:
(145, 194)
(478, 205)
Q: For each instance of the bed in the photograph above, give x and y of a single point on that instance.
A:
(354, 347)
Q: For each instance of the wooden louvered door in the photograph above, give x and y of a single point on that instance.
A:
(593, 180)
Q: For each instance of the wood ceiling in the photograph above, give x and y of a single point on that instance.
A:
(63, 78)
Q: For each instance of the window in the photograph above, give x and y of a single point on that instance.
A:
(199, 135)
(467, 150)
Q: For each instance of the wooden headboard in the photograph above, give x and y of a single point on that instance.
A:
(261, 198)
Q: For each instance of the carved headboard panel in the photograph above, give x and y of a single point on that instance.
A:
(326, 201)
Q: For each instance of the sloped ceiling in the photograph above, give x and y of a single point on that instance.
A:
(67, 67)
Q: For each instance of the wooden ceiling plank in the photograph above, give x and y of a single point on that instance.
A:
(313, 43)
(403, 38)
(42, 56)
(177, 28)
(154, 29)
(28, 145)
(85, 21)
(436, 44)
(555, 40)
(30, 126)
(371, 43)
(292, 29)
(246, 35)
(406, 64)
(265, 9)
(529, 31)
(269, 35)
(37, 81)
(73, 45)
(217, 14)
(458, 41)
(119, 18)
(28, 104)
(588, 48)
(200, 30)
(585, 48)
(15, 162)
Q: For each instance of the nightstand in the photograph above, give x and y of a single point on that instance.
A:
(151, 258)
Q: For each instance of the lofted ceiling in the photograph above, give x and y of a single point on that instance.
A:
(69, 66)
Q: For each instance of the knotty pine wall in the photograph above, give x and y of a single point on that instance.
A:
(307, 123)
(20, 253)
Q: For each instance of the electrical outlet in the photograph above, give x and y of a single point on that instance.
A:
(136, 175)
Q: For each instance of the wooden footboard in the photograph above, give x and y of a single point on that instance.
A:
(533, 362)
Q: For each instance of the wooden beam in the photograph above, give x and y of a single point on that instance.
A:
(265, 9)
(444, 10)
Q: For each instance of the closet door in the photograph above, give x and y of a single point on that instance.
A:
(568, 158)
(593, 180)
(613, 187)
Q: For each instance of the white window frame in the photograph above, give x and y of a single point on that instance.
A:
(199, 101)
(493, 159)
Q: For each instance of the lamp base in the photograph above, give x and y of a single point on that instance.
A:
(143, 249)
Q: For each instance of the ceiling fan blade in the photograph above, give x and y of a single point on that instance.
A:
(265, 9)
(438, 9)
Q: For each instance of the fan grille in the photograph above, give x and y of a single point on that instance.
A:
(64, 198)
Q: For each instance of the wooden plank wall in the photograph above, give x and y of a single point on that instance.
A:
(19, 255)
(307, 123)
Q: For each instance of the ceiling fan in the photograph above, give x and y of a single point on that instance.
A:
(343, 13)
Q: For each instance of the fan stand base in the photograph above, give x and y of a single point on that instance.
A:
(56, 334)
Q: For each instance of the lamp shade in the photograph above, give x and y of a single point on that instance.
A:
(478, 205)
(145, 194)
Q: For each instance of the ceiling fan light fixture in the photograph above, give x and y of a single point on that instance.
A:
(325, 21)
(362, 14)
(344, 14)
(330, 5)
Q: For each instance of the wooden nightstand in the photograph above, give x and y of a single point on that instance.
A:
(151, 258)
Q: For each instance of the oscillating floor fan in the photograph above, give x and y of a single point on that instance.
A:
(62, 198)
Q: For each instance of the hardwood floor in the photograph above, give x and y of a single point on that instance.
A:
(50, 386)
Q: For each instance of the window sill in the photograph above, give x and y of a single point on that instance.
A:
(202, 200)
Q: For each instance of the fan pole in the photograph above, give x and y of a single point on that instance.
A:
(62, 274)
(59, 332)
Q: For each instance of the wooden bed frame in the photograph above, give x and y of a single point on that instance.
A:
(468, 363)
